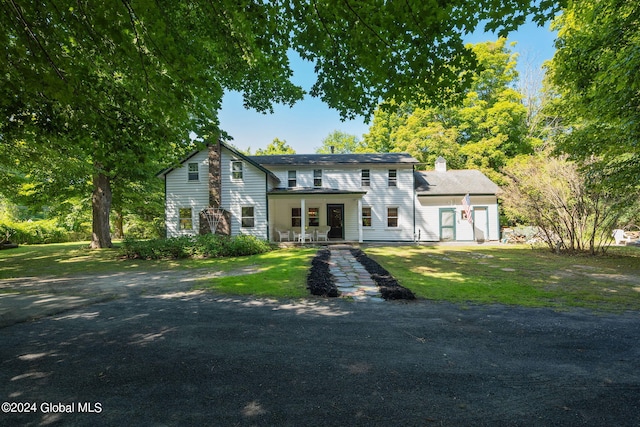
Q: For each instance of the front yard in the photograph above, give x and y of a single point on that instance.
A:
(516, 275)
(513, 275)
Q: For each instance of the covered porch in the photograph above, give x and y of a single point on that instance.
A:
(315, 214)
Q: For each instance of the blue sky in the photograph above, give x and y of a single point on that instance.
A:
(308, 122)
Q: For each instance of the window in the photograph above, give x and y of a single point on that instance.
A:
(317, 177)
(292, 179)
(248, 218)
(186, 220)
(236, 170)
(392, 217)
(193, 174)
(366, 178)
(366, 217)
(393, 178)
(314, 217)
(296, 217)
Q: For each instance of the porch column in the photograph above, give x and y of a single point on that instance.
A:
(359, 216)
(303, 220)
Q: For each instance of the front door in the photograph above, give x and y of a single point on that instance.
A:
(447, 224)
(335, 220)
(480, 224)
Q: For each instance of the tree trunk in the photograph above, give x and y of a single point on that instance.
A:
(101, 204)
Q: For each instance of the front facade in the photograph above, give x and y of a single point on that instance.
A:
(351, 197)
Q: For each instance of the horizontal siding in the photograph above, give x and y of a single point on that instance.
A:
(380, 197)
(428, 217)
(182, 193)
(275, 211)
(249, 191)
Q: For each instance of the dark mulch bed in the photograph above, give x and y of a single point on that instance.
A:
(388, 285)
(320, 281)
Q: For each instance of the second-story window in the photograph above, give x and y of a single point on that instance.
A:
(193, 174)
(317, 177)
(393, 178)
(366, 178)
(292, 181)
(236, 170)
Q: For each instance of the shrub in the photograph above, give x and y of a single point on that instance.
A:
(203, 246)
(33, 232)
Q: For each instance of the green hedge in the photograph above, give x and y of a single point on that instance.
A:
(33, 232)
(203, 246)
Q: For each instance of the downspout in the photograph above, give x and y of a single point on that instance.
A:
(166, 218)
(266, 198)
(413, 167)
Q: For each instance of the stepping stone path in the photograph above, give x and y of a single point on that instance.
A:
(351, 278)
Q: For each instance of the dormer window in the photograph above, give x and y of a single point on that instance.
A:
(236, 170)
(193, 174)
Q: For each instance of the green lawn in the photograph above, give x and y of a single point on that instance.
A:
(516, 275)
(281, 273)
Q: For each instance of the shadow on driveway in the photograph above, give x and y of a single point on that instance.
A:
(186, 358)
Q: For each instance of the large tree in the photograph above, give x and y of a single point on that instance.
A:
(115, 86)
(596, 72)
(488, 127)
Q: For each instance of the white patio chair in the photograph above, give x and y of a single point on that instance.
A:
(324, 235)
(283, 234)
(297, 237)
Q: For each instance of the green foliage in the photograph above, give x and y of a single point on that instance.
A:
(277, 146)
(201, 246)
(339, 143)
(596, 72)
(552, 194)
(486, 129)
(33, 232)
(95, 95)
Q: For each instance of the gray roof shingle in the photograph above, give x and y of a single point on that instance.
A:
(333, 159)
(458, 182)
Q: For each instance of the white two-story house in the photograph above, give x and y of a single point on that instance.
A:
(351, 197)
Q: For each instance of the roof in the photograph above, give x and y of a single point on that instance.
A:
(312, 190)
(334, 159)
(461, 182)
(162, 174)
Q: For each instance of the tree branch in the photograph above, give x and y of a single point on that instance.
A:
(31, 34)
(132, 19)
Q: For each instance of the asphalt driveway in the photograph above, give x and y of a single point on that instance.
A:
(202, 359)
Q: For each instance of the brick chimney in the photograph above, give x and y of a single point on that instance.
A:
(215, 191)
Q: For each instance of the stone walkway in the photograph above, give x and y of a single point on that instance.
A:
(352, 279)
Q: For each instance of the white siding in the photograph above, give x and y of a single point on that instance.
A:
(380, 197)
(249, 191)
(428, 216)
(182, 193)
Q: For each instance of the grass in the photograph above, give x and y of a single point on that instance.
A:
(282, 274)
(514, 275)
(517, 275)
